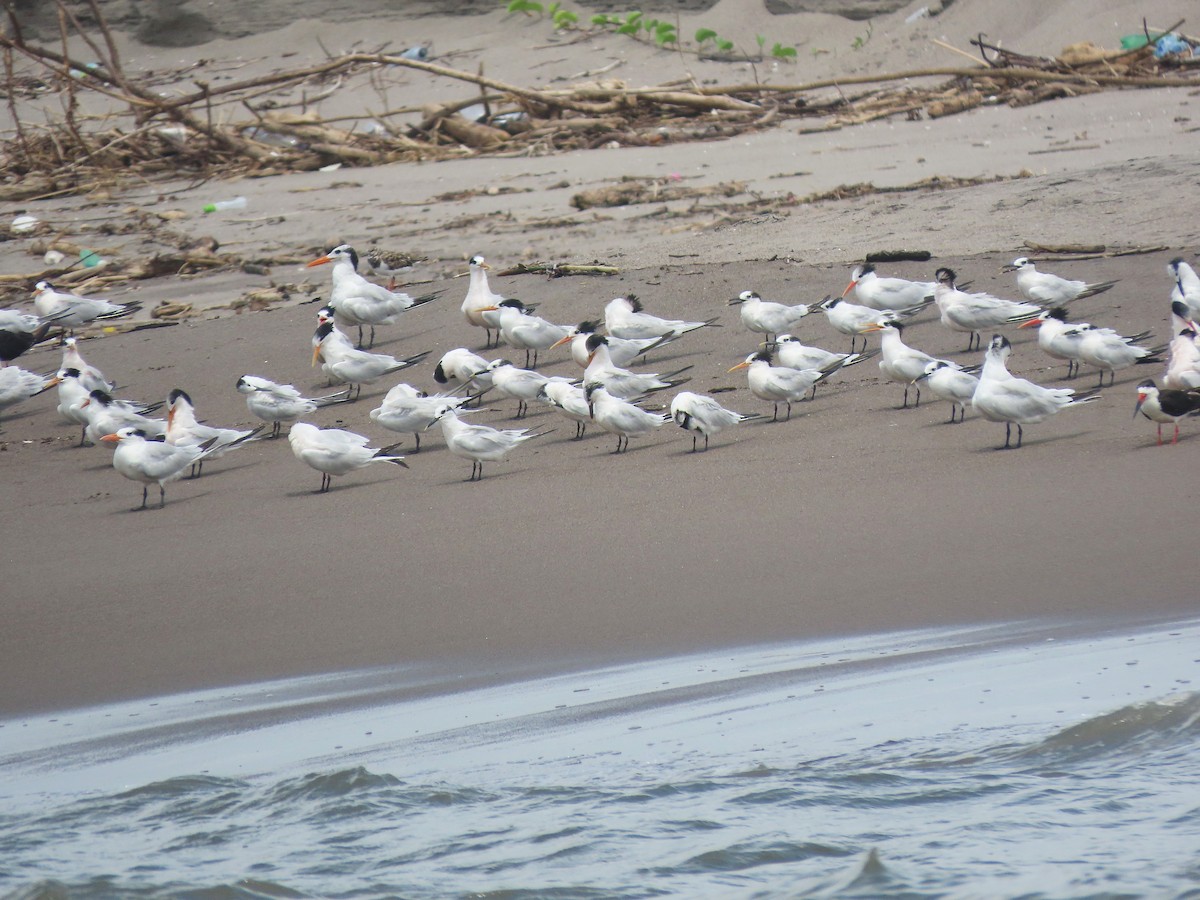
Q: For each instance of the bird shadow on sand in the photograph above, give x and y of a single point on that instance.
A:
(152, 502)
(337, 488)
(1031, 442)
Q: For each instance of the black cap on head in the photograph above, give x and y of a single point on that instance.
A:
(177, 393)
(634, 302)
(594, 341)
(946, 276)
(588, 327)
(1059, 312)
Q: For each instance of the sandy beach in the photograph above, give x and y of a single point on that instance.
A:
(853, 517)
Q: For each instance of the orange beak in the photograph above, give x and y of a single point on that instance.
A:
(111, 439)
(319, 262)
(1032, 323)
(742, 365)
(561, 341)
(316, 355)
(849, 288)
(871, 328)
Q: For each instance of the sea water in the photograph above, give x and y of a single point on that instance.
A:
(1025, 760)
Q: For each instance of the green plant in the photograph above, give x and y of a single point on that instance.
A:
(529, 7)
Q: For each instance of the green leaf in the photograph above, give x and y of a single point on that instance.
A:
(705, 34)
(629, 28)
(525, 6)
(565, 17)
(779, 51)
(664, 33)
(601, 19)
(724, 45)
(761, 40)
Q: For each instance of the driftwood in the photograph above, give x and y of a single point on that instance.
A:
(650, 190)
(560, 270)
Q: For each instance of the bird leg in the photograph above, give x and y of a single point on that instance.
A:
(789, 413)
(145, 488)
(275, 428)
(162, 496)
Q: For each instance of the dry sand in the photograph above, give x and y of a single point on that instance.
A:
(852, 517)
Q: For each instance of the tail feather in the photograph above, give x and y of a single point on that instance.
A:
(1098, 287)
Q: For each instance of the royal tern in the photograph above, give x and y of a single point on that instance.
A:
(621, 382)
(89, 375)
(570, 400)
(853, 319)
(1187, 286)
(522, 330)
(333, 451)
(625, 318)
(702, 415)
(790, 351)
(1059, 338)
(73, 397)
(1183, 362)
(623, 351)
(107, 415)
(18, 332)
(149, 461)
(17, 385)
(1108, 351)
(479, 305)
(342, 362)
(1002, 397)
(779, 384)
(462, 367)
(407, 410)
(1051, 290)
(1165, 406)
(518, 384)
(72, 311)
(390, 263)
(900, 362)
(479, 443)
(766, 316)
(950, 381)
(620, 417)
(974, 312)
(183, 430)
(883, 294)
(279, 403)
(357, 301)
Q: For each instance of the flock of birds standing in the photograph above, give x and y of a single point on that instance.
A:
(607, 394)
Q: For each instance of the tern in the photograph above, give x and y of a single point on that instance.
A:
(479, 443)
(522, 330)
(780, 384)
(853, 319)
(183, 430)
(625, 318)
(1002, 397)
(479, 305)
(621, 382)
(883, 294)
(91, 377)
(342, 362)
(1059, 338)
(702, 415)
(620, 417)
(1187, 286)
(356, 300)
(1051, 290)
(950, 381)
(518, 384)
(407, 410)
(767, 317)
(149, 461)
(570, 400)
(333, 451)
(792, 352)
(73, 396)
(973, 312)
(18, 385)
(18, 332)
(462, 367)
(279, 403)
(623, 351)
(72, 311)
(1165, 406)
(1108, 351)
(1183, 361)
(107, 415)
(900, 362)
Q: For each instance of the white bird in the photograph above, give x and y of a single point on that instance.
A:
(790, 351)
(342, 362)
(357, 301)
(950, 381)
(620, 417)
(1107, 350)
(479, 305)
(623, 351)
(779, 384)
(1051, 290)
(622, 382)
(1183, 361)
(1187, 286)
(73, 395)
(883, 294)
(625, 318)
(183, 430)
(334, 451)
(18, 385)
(479, 443)
(107, 415)
(522, 330)
(570, 400)
(1002, 397)
(279, 403)
(18, 332)
(766, 316)
(150, 462)
(518, 384)
(974, 312)
(72, 311)
(702, 415)
(853, 319)
(1165, 406)
(90, 376)
(900, 362)
(407, 410)
(462, 367)
(1059, 338)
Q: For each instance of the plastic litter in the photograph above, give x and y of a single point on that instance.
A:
(24, 224)
(226, 205)
(417, 53)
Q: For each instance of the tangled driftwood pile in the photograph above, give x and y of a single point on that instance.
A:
(145, 133)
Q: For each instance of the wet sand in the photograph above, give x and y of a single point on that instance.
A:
(853, 517)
